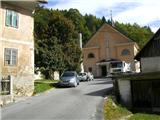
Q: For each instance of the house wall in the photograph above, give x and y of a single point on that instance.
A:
(91, 62)
(0, 42)
(127, 58)
(150, 64)
(137, 63)
(125, 92)
(136, 50)
(20, 38)
(24, 32)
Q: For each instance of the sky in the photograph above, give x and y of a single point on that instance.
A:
(142, 12)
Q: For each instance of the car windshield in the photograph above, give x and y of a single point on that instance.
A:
(68, 74)
(116, 65)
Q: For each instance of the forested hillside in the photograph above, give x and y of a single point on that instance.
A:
(56, 37)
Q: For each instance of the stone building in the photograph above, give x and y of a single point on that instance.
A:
(105, 45)
(17, 45)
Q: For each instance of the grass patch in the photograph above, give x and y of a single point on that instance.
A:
(42, 85)
(143, 116)
(45, 81)
(114, 111)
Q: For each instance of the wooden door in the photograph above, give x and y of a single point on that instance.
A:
(146, 94)
(141, 94)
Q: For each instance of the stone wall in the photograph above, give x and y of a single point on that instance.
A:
(5, 99)
(23, 85)
(22, 39)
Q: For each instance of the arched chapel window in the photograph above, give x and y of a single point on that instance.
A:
(125, 52)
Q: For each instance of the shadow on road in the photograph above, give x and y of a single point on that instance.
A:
(102, 92)
(103, 79)
(105, 82)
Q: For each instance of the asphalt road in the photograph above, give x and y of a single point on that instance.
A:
(84, 102)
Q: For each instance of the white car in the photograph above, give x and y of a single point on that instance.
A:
(82, 76)
(90, 76)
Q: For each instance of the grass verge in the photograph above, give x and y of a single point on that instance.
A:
(143, 116)
(114, 111)
(42, 85)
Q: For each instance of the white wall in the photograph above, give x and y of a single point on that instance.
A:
(150, 64)
(1, 54)
(137, 66)
(125, 92)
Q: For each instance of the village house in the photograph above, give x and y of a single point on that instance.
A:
(17, 48)
(141, 91)
(105, 46)
(150, 54)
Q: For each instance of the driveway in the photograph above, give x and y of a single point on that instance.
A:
(84, 102)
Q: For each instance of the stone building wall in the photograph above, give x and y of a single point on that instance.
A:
(21, 39)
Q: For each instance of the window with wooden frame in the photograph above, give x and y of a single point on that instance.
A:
(11, 18)
(125, 52)
(10, 56)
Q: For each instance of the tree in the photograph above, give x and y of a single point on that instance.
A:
(104, 20)
(72, 56)
(138, 34)
(56, 47)
(77, 18)
(49, 56)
